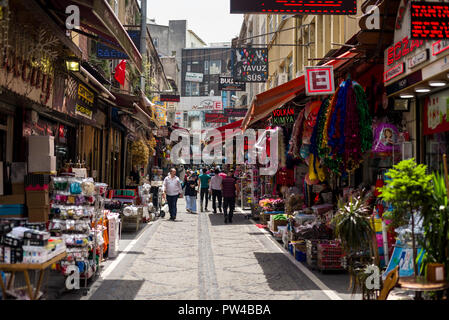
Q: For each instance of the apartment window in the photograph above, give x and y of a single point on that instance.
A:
(192, 89)
(206, 67)
(189, 68)
(215, 67)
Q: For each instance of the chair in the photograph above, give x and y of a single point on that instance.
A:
(389, 283)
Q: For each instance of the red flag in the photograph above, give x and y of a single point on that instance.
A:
(120, 72)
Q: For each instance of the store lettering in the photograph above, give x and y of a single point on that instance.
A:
(22, 68)
(401, 49)
(255, 68)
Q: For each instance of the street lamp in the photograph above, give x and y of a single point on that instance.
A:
(72, 64)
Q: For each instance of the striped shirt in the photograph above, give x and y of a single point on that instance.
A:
(228, 187)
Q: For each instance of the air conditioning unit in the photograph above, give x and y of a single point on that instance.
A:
(282, 78)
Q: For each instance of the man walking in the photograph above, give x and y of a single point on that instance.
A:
(172, 190)
(229, 189)
(215, 190)
(204, 187)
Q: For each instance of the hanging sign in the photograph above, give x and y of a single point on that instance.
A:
(250, 64)
(429, 20)
(194, 77)
(418, 59)
(216, 118)
(228, 84)
(341, 7)
(319, 80)
(83, 111)
(283, 116)
(235, 113)
(170, 98)
(105, 52)
(85, 102)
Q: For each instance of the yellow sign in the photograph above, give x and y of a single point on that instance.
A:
(86, 94)
(83, 111)
(160, 112)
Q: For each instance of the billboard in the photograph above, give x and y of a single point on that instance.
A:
(105, 52)
(341, 7)
(250, 64)
(208, 103)
(216, 118)
(228, 84)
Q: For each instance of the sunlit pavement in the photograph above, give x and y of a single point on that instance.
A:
(198, 256)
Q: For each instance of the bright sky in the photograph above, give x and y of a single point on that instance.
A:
(209, 19)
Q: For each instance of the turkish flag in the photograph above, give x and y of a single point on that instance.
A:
(120, 72)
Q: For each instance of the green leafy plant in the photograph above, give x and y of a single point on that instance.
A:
(409, 189)
(436, 225)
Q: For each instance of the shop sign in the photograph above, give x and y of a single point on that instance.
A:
(283, 116)
(179, 117)
(440, 46)
(194, 77)
(436, 113)
(169, 98)
(85, 95)
(319, 80)
(418, 59)
(25, 78)
(405, 82)
(228, 84)
(429, 20)
(216, 118)
(341, 7)
(83, 111)
(105, 52)
(235, 113)
(201, 104)
(250, 64)
(394, 72)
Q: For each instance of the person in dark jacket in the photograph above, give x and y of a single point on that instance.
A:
(191, 185)
(229, 189)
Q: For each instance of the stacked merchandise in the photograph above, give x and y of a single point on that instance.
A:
(77, 206)
(312, 251)
(330, 256)
(37, 197)
(114, 233)
(28, 244)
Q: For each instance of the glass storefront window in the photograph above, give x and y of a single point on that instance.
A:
(436, 145)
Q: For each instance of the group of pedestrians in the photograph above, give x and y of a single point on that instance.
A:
(219, 187)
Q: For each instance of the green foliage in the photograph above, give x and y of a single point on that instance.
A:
(352, 225)
(409, 189)
(436, 225)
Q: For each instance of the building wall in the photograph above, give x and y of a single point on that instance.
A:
(160, 38)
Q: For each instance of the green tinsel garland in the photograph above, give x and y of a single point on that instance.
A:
(321, 123)
(365, 118)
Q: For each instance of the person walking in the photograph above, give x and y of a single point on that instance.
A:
(191, 185)
(204, 189)
(172, 190)
(229, 187)
(215, 191)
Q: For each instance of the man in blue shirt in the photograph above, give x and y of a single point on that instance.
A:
(204, 187)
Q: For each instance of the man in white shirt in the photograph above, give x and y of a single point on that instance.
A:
(215, 189)
(172, 191)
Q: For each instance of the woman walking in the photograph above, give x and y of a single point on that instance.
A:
(172, 191)
(191, 185)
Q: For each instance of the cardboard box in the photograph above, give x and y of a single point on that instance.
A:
(39, 163)
(37, 199)
(18, 188)
(41, 146)
(38, 214)
(13, 199)
(18, 172)
(277, 223)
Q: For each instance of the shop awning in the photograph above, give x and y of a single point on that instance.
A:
(98, 17)
(230, 126)
(266, 102)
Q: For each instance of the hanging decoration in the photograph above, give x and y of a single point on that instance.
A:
(385, 137)
(341, 133)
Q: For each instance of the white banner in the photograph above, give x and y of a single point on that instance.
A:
(213, 103)
(194, 77)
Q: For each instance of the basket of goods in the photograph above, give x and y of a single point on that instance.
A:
(140, 153)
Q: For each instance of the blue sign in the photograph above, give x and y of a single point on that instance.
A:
(403, 257)
(105, 52)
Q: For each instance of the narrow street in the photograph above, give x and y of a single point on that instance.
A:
(200, 257)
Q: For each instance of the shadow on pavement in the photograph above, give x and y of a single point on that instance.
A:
(118, 290)
(218, 219)
(282, 274)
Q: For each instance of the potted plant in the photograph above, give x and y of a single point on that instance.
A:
(409, 191)
(436, 225)
(352, 225)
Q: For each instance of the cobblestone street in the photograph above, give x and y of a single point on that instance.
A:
(200, 257)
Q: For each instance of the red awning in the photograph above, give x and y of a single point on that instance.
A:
(99, 18)
(230, 126)
(266, 102)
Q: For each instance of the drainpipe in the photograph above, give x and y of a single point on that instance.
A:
(143, 41)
